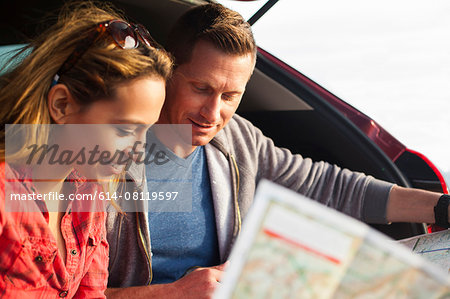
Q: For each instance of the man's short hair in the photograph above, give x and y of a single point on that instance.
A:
(224, 28)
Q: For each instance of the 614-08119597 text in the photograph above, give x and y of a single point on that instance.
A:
(155, 195)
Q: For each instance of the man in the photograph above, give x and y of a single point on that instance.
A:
(215, 56)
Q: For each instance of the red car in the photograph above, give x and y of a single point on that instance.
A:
(287, 106)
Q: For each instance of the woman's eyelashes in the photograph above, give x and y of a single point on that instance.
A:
(124, 131)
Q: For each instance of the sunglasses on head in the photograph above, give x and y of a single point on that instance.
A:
(126, 36)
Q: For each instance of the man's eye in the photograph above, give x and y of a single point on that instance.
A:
(200, 88)
(227, 97)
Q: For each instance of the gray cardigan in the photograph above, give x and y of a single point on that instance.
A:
(238, 158)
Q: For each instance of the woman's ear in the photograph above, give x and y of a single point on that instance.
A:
(61, 103)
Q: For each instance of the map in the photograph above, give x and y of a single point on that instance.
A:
(305, 267)
(292, 247)
(378, 272)
(433, 247)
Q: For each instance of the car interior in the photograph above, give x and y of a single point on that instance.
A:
(293, 114)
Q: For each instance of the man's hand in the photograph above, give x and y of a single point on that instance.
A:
(200, 283)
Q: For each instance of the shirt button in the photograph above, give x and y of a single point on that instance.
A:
(63, 294)
(73, 252)
(38, 258)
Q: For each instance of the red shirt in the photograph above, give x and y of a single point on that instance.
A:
(30, 263)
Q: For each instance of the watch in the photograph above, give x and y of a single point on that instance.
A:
(441, 211)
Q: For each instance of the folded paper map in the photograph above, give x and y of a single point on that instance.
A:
(293, 247)
(433, 247)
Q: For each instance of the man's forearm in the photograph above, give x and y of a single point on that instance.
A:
(411, 205)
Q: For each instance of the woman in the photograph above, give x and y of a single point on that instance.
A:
(90, 68)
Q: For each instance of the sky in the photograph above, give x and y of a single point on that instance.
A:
(389, 59)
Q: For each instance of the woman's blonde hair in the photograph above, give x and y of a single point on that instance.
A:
(94, 75)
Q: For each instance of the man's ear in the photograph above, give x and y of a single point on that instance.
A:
(61, 103)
